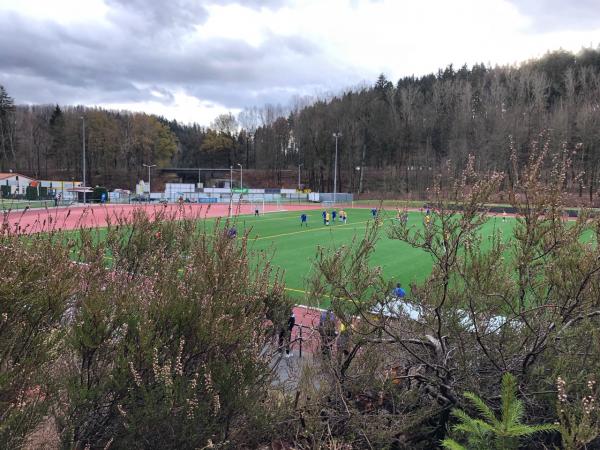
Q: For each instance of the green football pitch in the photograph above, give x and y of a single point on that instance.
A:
(294, 248)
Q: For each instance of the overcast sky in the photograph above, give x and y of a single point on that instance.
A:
(192, 60)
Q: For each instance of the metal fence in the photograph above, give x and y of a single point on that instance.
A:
(279, 199)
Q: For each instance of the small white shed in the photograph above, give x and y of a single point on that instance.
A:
(18, 183)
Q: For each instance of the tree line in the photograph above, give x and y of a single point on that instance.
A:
(395, 136)
(46, 142)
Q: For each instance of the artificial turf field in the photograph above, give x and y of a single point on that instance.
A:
(294, 248)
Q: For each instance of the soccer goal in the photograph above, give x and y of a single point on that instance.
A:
(265, 205)
(257, 204)
(241, 204)
(248, 206)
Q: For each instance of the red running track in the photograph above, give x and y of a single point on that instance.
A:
(97, 216)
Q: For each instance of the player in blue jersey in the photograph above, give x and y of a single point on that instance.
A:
(303, 220)
(399, 291)
(232, 233)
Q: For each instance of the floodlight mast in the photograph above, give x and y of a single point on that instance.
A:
(149, 166)
(83, 156)
(336, 136)
(230, 189)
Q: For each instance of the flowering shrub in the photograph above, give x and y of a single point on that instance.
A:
(153, 333)
(578, 415)
(168, 345)
(35, 289)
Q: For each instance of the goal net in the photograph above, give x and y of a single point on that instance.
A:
(241, 204)
(247, 206)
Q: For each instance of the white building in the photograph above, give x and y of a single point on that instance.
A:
(18, 183)
(61, 188)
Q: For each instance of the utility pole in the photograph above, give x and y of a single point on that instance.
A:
(83, 157)
(336, 136)
(149, 167)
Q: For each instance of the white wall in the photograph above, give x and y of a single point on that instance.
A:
(17, 182)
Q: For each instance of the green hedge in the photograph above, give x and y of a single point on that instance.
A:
(31, 193)
(97, 194)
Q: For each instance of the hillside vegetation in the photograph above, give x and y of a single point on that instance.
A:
(396, 135)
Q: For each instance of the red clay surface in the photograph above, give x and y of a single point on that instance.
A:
(98, 216)
(307, 319)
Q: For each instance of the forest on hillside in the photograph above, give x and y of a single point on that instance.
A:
(396, 136)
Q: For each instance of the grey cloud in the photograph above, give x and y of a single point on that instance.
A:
(159, 13)
(552, 15)
(257, 4)
(176, 13)
(135, 57)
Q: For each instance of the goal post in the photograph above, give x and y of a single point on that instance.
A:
(239, 204)
(258, 204)
(249, 205)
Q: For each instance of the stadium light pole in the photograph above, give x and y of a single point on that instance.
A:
(149, 167)
(299, 165)
(83, 155)
(241, 176)
(230, 188)
(336, 136)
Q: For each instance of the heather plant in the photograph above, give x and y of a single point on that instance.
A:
(36, 287)
(172, 352)
(140, 243)
(160, 335)
(578, 415)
